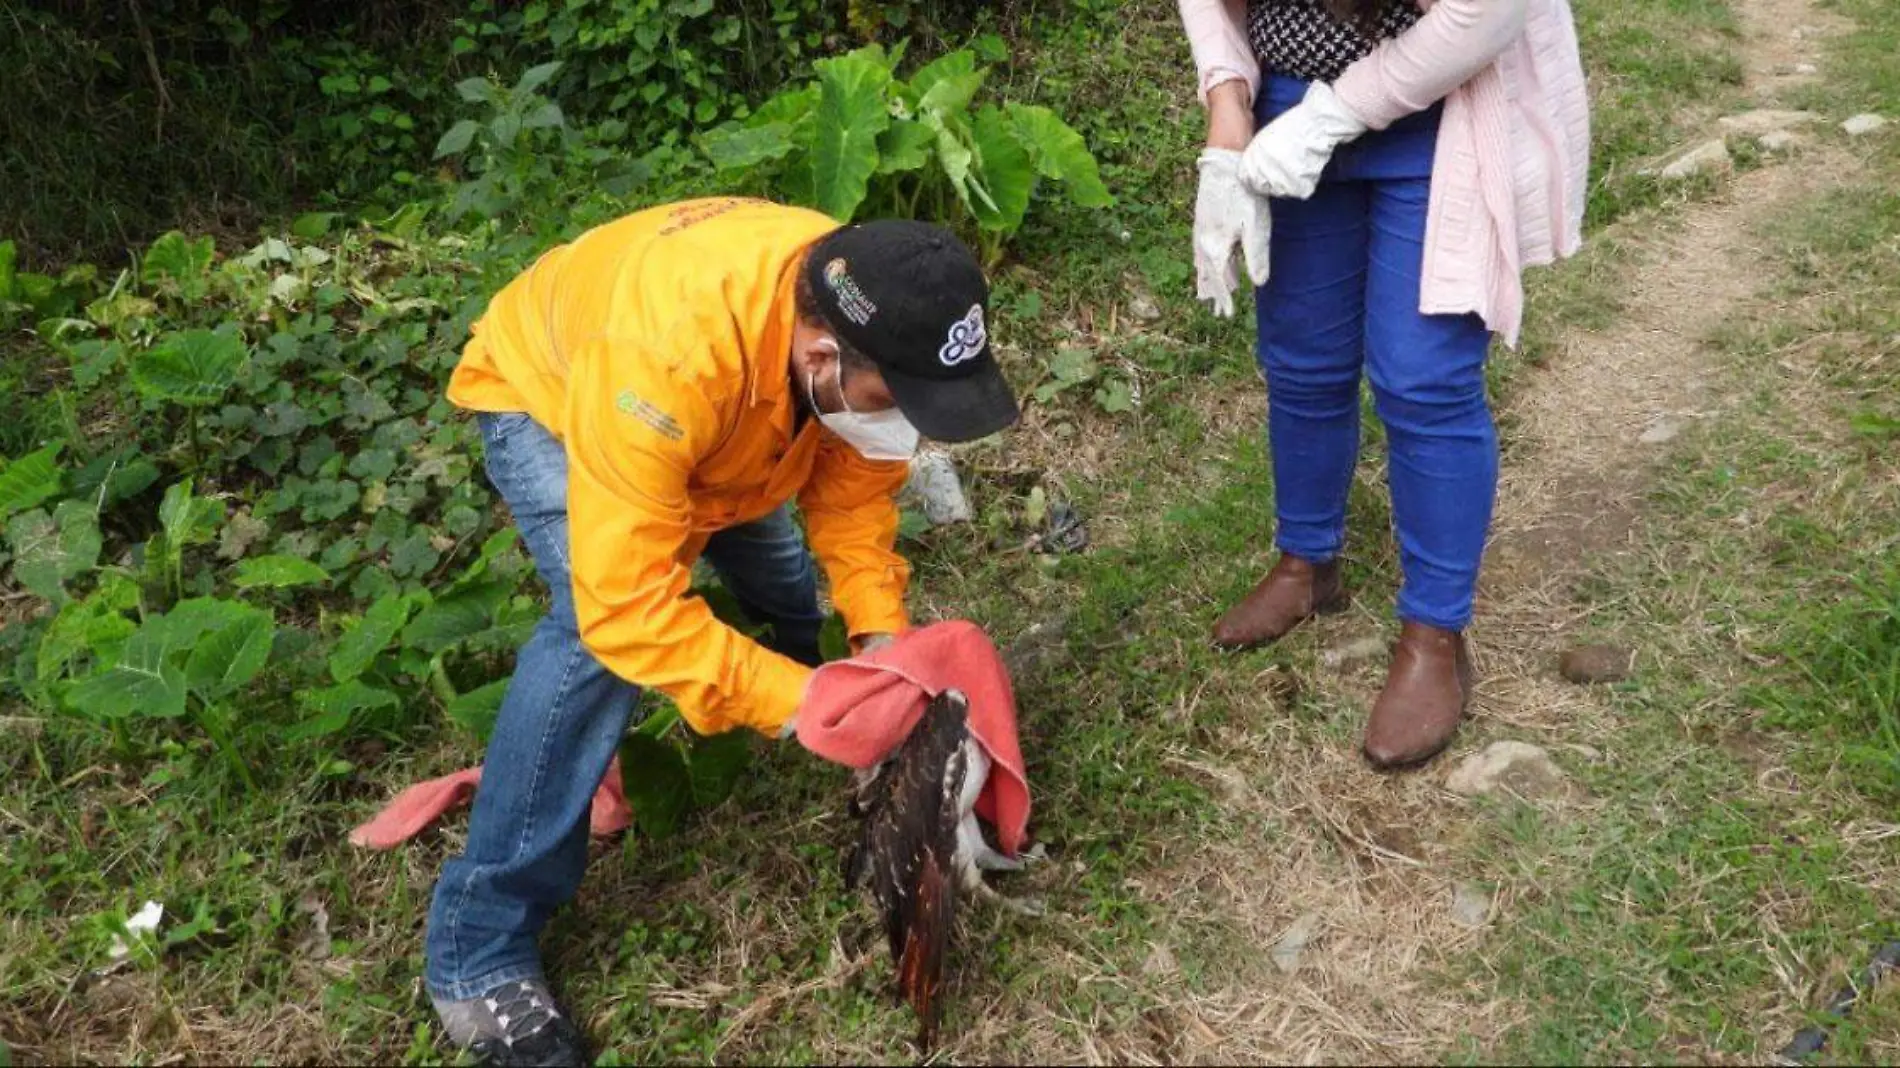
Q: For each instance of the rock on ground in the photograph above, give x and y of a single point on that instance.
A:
(1470, 906)
(1705, 158)
(1661, 432)
(935, 485)
(1514, 767)
(1765, 121)
(1778, 141)
(1590, 664)
(1861, 125)
(1286, 953)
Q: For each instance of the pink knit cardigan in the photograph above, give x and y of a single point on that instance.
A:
(1512, 161)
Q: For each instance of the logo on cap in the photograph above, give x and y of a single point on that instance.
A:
(851, 300)
(967, 338)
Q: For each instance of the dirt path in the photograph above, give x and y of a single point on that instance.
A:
(1371, 866)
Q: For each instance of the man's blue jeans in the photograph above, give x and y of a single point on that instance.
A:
(1343, 298)
(562, 720)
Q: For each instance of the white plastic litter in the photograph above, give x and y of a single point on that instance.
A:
(143, 923)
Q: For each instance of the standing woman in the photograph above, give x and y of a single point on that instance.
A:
(1388, 168)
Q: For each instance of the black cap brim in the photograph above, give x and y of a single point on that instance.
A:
(956, 409)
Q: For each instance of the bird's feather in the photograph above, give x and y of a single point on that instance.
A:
(909, 849)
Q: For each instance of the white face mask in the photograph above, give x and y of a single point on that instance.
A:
(884, 435)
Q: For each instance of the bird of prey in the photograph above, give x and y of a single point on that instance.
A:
(920, 846)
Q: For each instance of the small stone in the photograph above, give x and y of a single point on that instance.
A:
(1706, 158)
(935, 485)
(1160, 961)
(1778, 141)
(1861, 125)
(1806, 70)
(1470, 906)
(1765, 121)
(1286, 953)
(1514, 767)
(1590, 664)
(1662, 431)
(1359, 649)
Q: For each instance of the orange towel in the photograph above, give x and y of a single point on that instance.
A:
(425, 802)
(857, 712)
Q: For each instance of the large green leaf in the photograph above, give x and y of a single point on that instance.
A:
(331, 708)
(476, 710)
(954, 155)
(173, 257)
(1060, 153)
(231, 655)
(455, 616)
(145, 680)
(188, 520)
(29, 480)
(904, 147)
(535, 77)
(792, 108)
(96, 622)
(851, 114)
(716, 763)
(192, 368)
(735, 147)
(657, 783)
(947, 84)
(363, 642)
(48, 550)
(278, 572)
(9, 271)
(457, 139)
(1008, 173)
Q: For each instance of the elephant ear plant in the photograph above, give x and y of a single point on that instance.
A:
(859, 138)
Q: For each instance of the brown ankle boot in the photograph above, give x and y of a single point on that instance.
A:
(1425, 696)
(1294, 591)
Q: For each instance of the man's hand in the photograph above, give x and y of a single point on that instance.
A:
(862, 645)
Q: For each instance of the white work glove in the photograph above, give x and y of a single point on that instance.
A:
(1226, 214)
(1285, 159)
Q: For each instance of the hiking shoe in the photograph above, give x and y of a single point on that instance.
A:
(515, 1025)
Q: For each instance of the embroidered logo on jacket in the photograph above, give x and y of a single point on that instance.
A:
(967, 338)
(851, 300)
(666, 425)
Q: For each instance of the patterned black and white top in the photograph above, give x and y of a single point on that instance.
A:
(1302, 39)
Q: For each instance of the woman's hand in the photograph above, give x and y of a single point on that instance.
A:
(1229, 116)
(1225, 214)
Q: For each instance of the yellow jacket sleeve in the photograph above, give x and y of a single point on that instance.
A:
(634, 437)
(850, 508)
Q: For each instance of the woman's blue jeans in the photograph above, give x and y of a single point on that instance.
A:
(1343, 296)
(562, 720)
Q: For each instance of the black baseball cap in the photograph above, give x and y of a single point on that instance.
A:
(911, 296)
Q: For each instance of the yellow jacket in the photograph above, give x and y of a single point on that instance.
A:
(657, 349)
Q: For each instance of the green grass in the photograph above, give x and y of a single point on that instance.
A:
(1724, 888)
(1654, 921)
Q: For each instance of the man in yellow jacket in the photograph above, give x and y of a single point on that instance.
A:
(656, 391)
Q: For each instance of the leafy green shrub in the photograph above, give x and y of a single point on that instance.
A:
(860, 137)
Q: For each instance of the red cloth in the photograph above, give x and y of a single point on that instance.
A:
(425, 802)
(858, 711)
